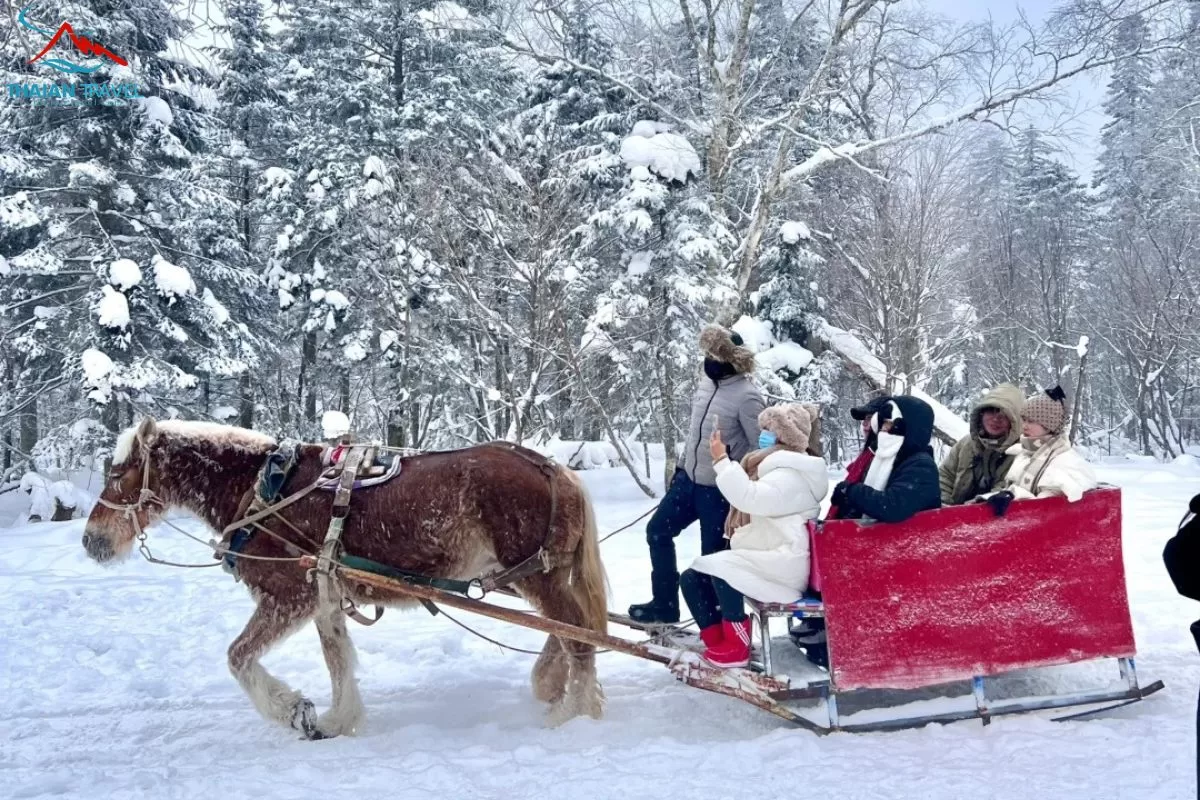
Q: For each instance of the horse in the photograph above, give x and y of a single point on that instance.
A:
(453, 514)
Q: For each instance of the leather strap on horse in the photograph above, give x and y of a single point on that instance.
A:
(544, 560)
(328, 586)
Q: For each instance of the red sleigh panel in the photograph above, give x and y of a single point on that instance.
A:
(958, 592)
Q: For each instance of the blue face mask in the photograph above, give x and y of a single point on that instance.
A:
(766, 439)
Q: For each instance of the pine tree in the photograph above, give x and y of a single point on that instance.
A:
(100, 204)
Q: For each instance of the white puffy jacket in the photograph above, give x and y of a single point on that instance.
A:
(768, 558)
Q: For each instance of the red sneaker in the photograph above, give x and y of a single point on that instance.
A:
(712, 636)
(734, 651)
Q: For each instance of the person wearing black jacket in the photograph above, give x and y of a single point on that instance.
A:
(1182, 559)
(901, 480)
(903, 477)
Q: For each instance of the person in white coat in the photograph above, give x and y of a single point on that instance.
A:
(772, 493)
(1046, 465)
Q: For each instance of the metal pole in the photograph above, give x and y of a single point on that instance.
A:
(977, 689)
(764, 627)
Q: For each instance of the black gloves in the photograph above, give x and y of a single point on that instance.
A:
(838, 498)
(999, 502)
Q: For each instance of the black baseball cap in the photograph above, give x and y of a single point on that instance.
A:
(868, 409)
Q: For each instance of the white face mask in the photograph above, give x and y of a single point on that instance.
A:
(889, 445)
(886, 450)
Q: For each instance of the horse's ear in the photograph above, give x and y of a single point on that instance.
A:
(146, 430)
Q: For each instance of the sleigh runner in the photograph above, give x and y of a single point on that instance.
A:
(948, 605)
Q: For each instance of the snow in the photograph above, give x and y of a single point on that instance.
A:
(4, 268)
(447, 15)
(648, 129)
(172, 281)
(578, 454)
(124, 274)
(667, 154)
(355, 352)
(639, 263)
(336, 299)
(223, 413)
(113, 311)
(785, 355)
(220, 314)
(373, 168)
(116, 686)
(42, 493)
(771, 354)
(16, 211)
(90, 172)
(756, 334)
(852, 349)
(96, 367)
(334, 424)
(157, 110)
(792, 232)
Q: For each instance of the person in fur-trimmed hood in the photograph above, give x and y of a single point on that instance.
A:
(727, 400)
(980, 460)
(773, 493)
(1045, 464)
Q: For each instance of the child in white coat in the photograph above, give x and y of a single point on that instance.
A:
(772, 493)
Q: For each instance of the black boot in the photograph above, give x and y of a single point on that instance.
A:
(664, 607)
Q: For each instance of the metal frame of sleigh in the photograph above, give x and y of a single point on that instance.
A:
(954, 614)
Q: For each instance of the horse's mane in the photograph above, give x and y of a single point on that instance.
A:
(222, 436)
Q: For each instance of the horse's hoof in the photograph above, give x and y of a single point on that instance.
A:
(304, 719)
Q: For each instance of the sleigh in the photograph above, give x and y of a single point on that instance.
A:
(952, 615)
(957, 614)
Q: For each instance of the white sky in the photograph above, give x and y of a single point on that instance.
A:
(1078, 116)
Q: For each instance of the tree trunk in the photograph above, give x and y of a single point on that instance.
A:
(1077, 398)
(245, 401)
(206, 396)
(29, 426)
(307, 389)
(395, 433)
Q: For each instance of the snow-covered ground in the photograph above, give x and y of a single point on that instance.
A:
(114, 685)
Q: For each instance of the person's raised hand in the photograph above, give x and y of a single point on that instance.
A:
(716, 447)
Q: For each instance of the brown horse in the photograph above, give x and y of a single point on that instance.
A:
(447, 515)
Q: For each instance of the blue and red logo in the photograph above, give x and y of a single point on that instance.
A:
(93, 53)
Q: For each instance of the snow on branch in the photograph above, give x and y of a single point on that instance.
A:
(948, 426)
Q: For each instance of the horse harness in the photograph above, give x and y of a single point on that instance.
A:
(262, 501)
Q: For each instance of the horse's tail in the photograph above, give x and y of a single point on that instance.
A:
(589, 584)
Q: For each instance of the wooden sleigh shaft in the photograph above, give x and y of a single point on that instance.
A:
(525, 619)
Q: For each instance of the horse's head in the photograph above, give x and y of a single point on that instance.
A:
(129, 502)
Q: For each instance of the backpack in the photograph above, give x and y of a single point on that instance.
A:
(1182, 553)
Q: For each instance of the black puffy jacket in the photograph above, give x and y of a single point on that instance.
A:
(913, 485)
